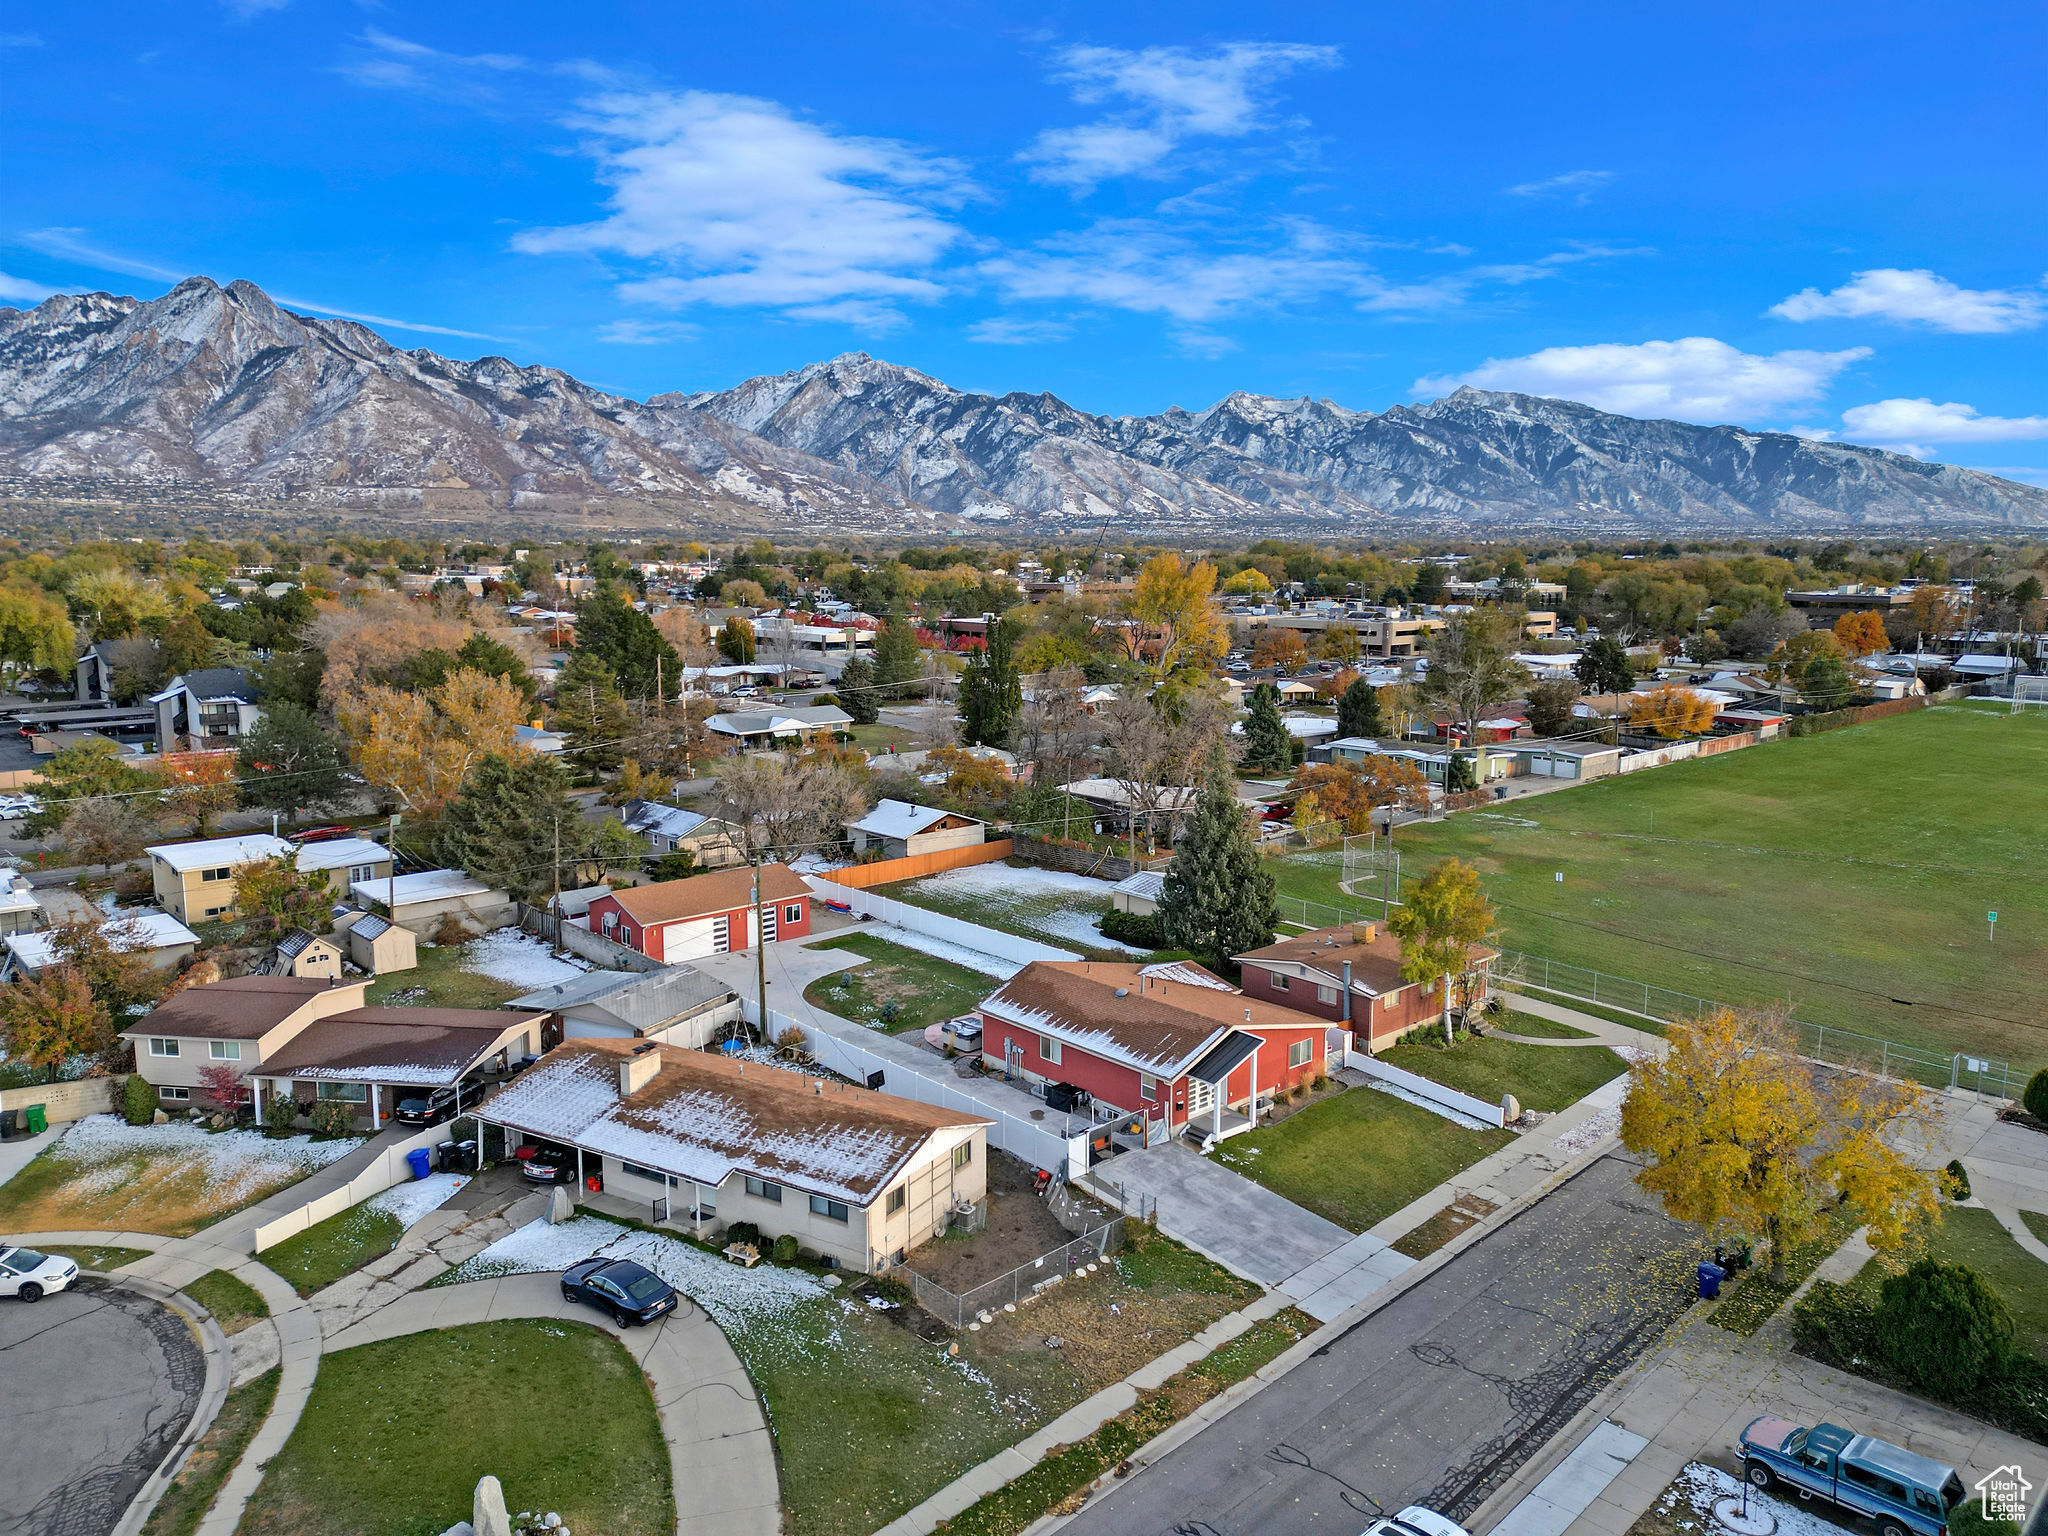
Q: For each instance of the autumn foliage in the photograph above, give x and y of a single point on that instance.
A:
(419, 747)
(1672, 711)
(51, 1017)
(1282, 648)
(1861, 634)
(1350, 792)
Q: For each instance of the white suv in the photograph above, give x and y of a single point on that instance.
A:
(31, 1275)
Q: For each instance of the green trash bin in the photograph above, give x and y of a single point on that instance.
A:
(38, 1122)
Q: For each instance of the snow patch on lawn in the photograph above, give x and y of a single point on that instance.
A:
(732, 1296)
(1699, 1485)
(1042, 900)
(941, 949)
(235, 1165)
(518, 959)
(1592, 1130)
(410, 1202)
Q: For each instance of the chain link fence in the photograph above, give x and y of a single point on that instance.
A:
(1022, 1284)
(1822, 1042)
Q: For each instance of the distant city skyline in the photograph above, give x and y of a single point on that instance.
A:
(1815, 218)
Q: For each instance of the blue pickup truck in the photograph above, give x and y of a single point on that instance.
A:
(1903, 1493)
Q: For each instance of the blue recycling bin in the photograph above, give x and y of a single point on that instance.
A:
(420, 1161)
(1711, 1275)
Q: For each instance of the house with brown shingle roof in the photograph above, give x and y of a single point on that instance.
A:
(700, 1141)
(1174, 1043)
(1352, 976)
(674, 920)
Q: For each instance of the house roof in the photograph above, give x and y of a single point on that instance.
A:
(704, 1117)
(638, 1001)
(1109, 792)
(428, 885)
(653, 818)
(370, 927)
(241, 1008)
(1146, 885)
(1375, 962)
(212, 852)
(127, 932)
(405, 1047)
(213, 683)
(725, 890)
(781, 722)
(295, 944)
(899, 818)
(341, 853)
(1154, 1022)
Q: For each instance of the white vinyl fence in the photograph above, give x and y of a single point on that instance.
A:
(1423, 1088)
(387, 1170)
(1041, 1145)
(954, 930)
(1657, 757)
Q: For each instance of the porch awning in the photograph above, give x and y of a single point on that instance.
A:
(1225, 1056)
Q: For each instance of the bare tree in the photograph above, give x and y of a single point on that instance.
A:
(1155, 748)
(104, 831)
(1055, 731)
(1471, 670)
(786, 804)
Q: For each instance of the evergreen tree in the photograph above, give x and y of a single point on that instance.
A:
(1604, 667)
(991, 692)
(1267, 746)
(289, 761)
(1358, 711)
(639, 658)
(1218, 900)
(896, 653)
(501, 826)
(1461, 777)
(856, 691)
(588, 709)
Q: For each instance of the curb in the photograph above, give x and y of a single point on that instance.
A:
(219, 1368)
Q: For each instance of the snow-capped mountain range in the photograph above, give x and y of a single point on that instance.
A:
(221, 387)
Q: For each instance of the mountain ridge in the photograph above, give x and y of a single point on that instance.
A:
(222, 387)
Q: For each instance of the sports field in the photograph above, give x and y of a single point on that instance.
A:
(1848, 873)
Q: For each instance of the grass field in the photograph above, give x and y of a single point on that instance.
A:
(387, 1447)
(1528, 1024)
(439, 981)
(925, 989)
(317, 1257)
(95, 1256)
(1848, 873)
(234, 1303)
(1975, 1238)
(1543, 1077)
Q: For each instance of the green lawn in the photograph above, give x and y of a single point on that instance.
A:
(924, 989)
(1842, 871)
(2036, 1223)
(1518, 1023)
(396, 1434)
(1359, 1156)
(879, 738)
(93, 1256)
(1974, 1237)
(1543, 1077)
(193, 1490)
(317, 1257)
(439, 981)
(233, 1303)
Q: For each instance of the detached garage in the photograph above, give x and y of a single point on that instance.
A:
(712, 914)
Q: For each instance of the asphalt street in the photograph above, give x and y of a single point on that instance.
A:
(1440, 1395)
(98, 1385)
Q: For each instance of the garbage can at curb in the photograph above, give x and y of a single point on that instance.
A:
(36, 1118)
(420, 1161)
(1711, 1275)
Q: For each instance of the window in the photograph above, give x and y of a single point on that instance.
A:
(224, 1050)
(764, 1189)
(207, 875)
(963, 1154)
(364, 872)
(767, 925)
(1327, 996)
(898, 1198)
(831, 1210)
(721, 935)
(1280, 983)
(174, 1095)
(1298, 1054)
(651, 1175)
(159, 1047)
(216, 911)
(347, 1093)
(793, 913)
(1148, 1086)
(611, 921)
(707, 1201)
(1049, 1049)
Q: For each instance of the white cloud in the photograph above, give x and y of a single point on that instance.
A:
(1007, 331)
(1910, 426)
(400, 64)
(648, 333)
(22, 290)
(1171, 95)
(247, 10)
(20, 40)
(1576, 185)
(733, 201)
(1694, 379)
(1919, 297)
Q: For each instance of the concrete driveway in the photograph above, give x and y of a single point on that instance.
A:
(1440, 1395)
(100, 1382)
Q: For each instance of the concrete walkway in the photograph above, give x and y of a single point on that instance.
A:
(17, 1154)
(721, 1455)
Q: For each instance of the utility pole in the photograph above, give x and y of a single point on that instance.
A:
(555, 933)
(391, 885)
(760, 953)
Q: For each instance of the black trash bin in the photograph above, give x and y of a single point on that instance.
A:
(465, 1157)
(444, 1157)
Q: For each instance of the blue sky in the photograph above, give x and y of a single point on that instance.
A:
(1820, 216)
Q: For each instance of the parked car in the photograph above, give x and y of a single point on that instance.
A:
(442, 1104)
(1415, 1520)
(629, 1292)
(31, 1276)
(540, 1163)
(1903, 1492)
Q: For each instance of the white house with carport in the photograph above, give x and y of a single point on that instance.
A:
(676, 1005)
(900, 830)
(697, 1141)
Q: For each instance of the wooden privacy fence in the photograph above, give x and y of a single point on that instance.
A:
(887, 871)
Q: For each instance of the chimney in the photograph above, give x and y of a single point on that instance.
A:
(1365, 933)
(638, 1070)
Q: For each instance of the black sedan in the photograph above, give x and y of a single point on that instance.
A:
(629, 1292)
(543, 1164)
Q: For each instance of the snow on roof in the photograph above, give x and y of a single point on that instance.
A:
(652, 817)
(1171, 798)
(134, 932)
(1147, 884)
(898, 818)
(213, 852)
(428, 885)
(341, 853)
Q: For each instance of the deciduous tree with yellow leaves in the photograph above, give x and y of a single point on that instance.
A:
(1861, 634)
(1746, 1135)
(1443, 921)
(418, 748)
(1176, 604)
(1671, 711)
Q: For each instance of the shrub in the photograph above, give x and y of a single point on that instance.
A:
(743, 1232)
(451, 932)
(331, 1117)
(1836, 1323)
(785, 1248)
(1942, 1327)
(2035, 1100)
(1956, 1180)
(138, 1101)
(1132, 928)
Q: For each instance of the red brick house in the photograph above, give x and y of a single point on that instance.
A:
(1173, 1042)
(710, 914)
(1311, 973)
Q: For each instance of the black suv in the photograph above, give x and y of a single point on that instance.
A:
(441, 1104)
